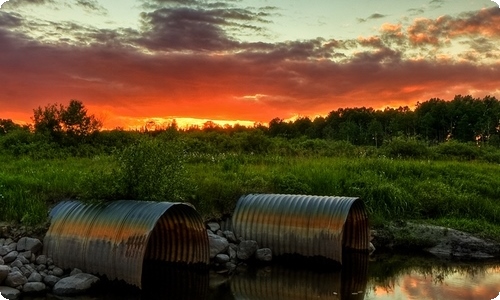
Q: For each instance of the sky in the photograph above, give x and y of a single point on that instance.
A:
(242, 61)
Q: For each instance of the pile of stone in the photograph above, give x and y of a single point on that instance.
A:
(24, 270)
(228, 251)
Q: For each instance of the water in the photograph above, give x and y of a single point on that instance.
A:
(382, 277)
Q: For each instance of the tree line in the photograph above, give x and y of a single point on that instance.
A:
(463, 119)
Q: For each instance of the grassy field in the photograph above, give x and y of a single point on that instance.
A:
(464, 195)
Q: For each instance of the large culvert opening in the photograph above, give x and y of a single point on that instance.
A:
(356, 229)
(176, 257)
(179, 237)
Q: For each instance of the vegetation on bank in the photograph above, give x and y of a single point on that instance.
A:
(401, 177)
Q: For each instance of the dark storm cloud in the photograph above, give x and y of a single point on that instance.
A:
(196, 29)
(185, 29)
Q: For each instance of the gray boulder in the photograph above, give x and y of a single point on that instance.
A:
(246, 249)
(50, 280)
(4, 250)
(34, 288)
(26, 254)
(17, 263)
(76, 284)
(29, 244)
(22, 259)
(4, 271)
(41, 260)
(230, 236)
(75, 271)
(35, 277)
(214, 226)
(10, 257)
(222, 258)
(217, 244)
(264, 254)
(15, 279)
(57, 272)
(10, 293)
(1, 261)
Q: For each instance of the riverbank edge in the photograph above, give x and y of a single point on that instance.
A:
(445, 243)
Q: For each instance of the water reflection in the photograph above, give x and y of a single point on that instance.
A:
(383, 277)
(425, 278)
(280, 282)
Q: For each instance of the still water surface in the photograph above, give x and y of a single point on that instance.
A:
(387, 277)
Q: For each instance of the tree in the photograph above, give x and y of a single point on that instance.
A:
(7, 125)
(70, 123)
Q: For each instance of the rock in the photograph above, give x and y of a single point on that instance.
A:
(50, 280)
(57, 272)
(2, 242)
(246, 249)
(15, 279)
(217, 244)
(213, 226)
(264, 254)
(10, 293)
(371, 248)
(17, 263)
(230, 236)
(35, 277)
(230, 266)
(25, 271)
(22, 259)
(4, 271)
(41, 268)
(34, 288)
(41, 260)
(75, 284)
(10, 257)
(75, 271)
(11, 246)
(29, 244)
(222, 258)
(4, 250)
(231, 252)
(25, 254)
(1, 261)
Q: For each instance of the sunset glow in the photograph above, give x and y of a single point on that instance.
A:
(131, 62)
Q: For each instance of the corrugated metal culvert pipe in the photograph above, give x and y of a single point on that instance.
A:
(116, 238)
(310, 226)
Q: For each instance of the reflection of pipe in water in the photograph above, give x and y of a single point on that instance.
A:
(283, 283)
(174, 281)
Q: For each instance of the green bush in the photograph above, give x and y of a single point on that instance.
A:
(456, 150)
(405, 148)
(153, 169)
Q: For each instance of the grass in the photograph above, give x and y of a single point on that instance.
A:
(459, 194)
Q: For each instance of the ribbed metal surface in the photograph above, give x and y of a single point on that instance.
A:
(116, 238)
(306, 225)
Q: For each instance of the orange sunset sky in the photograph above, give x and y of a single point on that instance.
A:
(245, 61)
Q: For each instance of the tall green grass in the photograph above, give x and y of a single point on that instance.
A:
(461, 194)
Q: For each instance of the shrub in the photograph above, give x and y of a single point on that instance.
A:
(153, 169)
(405, 148)
(453, 149)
